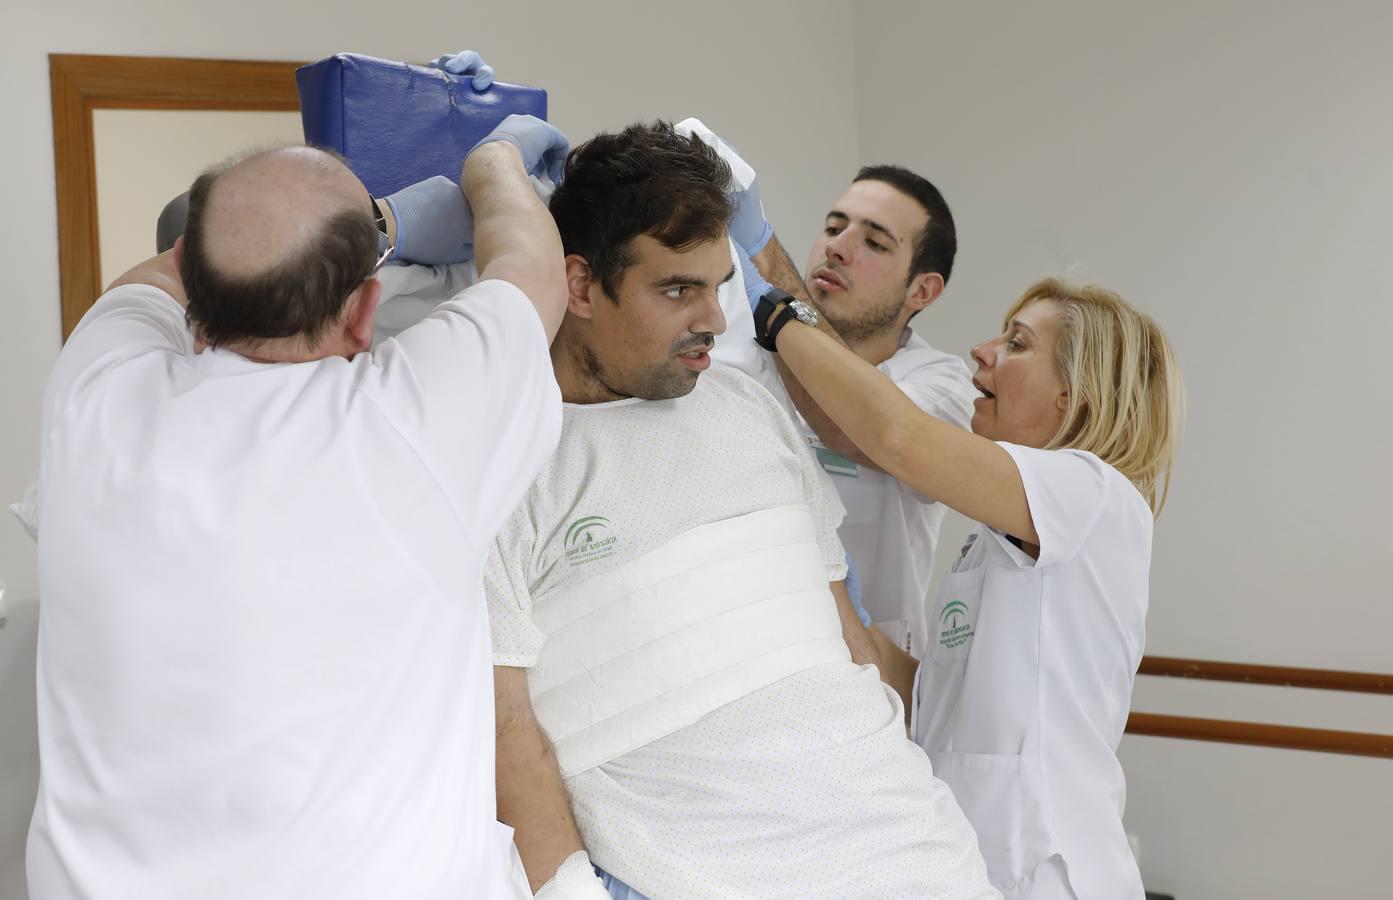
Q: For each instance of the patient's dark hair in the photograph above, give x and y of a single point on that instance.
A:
(647, 179)
(302, 295)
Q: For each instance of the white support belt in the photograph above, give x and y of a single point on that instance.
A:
(643, 650)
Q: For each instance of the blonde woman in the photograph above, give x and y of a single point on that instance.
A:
(1036, 636)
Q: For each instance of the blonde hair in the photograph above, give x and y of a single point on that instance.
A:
(1126, 399)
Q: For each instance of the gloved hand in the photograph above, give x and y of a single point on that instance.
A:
(575, 879)
(435, 225)
(542, 146)
(748, 226)
(756, 286)
(467, 62)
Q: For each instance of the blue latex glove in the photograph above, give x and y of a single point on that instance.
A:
(748, 227)
(542, 146)
(755, 284)
(467, 62)
(853, 589)
(435, 225)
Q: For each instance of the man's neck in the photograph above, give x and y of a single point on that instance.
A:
(568, 361)
(877, 348)
(276, 351)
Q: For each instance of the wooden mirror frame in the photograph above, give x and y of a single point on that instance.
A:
(82, 83)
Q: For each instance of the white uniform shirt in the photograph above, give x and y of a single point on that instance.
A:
(805, 788)
(263, 662)
(889, 529)
(1023, 696)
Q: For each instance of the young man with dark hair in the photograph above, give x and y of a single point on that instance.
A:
(885, 254)
(263, 661)
(680, 678)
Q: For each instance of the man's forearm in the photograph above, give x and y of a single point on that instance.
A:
(158, 271)
(779, 270)
(858, 639)
(532, 800)
(515, 237)
(897, 668)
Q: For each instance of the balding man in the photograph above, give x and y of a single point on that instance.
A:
(264, 664)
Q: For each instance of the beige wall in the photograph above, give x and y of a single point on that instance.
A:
(145, 157)
(1227, 167)
(604, 65)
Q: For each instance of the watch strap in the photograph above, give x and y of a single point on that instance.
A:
(765, 330)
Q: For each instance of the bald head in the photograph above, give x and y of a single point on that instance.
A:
(275, 244)
(273, 205)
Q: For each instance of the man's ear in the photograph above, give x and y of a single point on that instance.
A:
(359, 312)
(579, 282)
(924, 289)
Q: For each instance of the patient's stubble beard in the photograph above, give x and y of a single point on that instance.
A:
(666, 380)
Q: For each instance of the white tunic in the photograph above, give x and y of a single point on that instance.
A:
(889, 529)
(1023, 696)
(805, 788)
(263, 665)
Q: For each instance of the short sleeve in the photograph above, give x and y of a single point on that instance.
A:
(1067, 491)
(516, 639)
(472, 386)
(126, 322)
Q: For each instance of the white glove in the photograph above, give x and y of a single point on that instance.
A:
(744, 174)
(748, 226)
(575, 879)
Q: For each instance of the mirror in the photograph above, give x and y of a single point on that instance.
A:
(131, 132)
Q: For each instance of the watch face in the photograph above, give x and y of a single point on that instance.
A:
(805, 313)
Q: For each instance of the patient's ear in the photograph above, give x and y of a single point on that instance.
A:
(579, 282)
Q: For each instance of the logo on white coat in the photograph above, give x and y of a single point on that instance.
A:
(954, 630)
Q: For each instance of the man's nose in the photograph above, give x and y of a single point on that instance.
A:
(711, 319)
(839, 248)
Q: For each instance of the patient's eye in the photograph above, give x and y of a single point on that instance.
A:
(676, 292)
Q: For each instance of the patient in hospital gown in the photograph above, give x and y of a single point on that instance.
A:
(671, 583)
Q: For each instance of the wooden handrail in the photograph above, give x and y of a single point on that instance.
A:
(1284, 676)
(1320, 740)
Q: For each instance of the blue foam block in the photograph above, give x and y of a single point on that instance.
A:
(397, 123)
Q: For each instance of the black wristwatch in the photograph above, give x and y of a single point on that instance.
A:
(378, 217)
(788, 308)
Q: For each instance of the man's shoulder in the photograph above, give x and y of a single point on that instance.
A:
(917, 358)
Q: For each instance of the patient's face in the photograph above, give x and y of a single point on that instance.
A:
(653, 343)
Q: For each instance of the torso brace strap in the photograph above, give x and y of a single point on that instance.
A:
(645, 649)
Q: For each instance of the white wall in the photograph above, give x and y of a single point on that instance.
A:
(1226, 166)
(604, 66)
